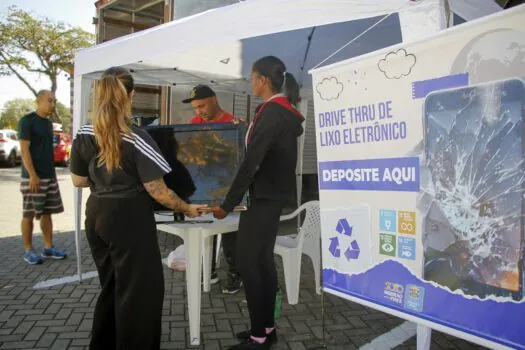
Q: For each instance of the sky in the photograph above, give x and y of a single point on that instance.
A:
(74, 12)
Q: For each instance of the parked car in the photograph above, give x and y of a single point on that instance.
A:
(62, 147)
(10, 153)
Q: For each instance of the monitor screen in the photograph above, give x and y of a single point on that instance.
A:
(204, 159)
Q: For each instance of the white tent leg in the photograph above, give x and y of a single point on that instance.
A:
(77, 195)
(303, 108)
(424, 334)
(472, 9)
(416, 24)
(81, 90)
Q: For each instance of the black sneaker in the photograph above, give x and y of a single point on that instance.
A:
(270, 338)
(233, 284)
(250, 344)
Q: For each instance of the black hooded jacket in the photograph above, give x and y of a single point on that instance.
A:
(268, 169)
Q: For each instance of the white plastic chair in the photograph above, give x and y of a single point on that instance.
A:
(292, 247)
(218, 251)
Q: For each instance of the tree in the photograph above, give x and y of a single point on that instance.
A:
(65, 116)
(38, 45)
(13, 110)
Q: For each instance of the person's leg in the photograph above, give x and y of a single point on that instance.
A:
(229, 246)
(52, 205)
(46, 225)
(99, 217)
(139, 275)
(252, 231)
(267, 263)
(28, 214)
(26, 225)
(234, 280)
(214, 255)
(214, 278)
(27, 232)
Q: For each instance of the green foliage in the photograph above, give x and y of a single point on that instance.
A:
(15, 109)
(38, 45)
(64, 113)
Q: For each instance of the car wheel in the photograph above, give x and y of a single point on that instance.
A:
(11, 160)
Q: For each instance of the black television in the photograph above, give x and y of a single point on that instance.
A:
(204, 159)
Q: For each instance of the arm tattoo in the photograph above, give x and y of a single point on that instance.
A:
(79, 181)
(158, 190)
(154, 188)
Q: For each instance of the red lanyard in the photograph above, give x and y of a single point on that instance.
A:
(280, 100)
(250, 133)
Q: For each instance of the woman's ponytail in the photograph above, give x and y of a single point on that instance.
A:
(291, 88)
(112, 115)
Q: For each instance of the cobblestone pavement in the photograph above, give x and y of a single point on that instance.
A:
(60, 317)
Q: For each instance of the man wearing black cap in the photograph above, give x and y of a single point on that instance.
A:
(207, 110)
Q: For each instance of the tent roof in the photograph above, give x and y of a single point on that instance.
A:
(211, 46)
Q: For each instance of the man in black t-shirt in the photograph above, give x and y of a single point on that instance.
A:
(39, 186)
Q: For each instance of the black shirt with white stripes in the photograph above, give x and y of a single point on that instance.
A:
(141, 162)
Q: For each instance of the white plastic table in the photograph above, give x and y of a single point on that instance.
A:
(198, 239)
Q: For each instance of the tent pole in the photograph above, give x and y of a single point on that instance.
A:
(424, 333)
(303, 109)
(323, 325)
(300, 77)
(77, 195)
(81, 92)
(423, 337)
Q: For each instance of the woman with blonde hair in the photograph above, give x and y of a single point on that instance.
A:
(122, 164)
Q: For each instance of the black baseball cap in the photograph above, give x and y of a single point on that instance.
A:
(199, 92)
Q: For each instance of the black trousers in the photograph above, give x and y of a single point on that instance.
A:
(123, 239)
(258, 228)
(229, 247)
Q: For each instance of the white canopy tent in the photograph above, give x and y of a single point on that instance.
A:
(218, 47)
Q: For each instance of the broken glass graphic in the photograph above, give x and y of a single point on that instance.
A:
(472, 188)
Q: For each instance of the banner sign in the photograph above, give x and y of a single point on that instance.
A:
(420, 151)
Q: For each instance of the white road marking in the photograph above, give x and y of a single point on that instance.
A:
(64, 280)
(395, 337)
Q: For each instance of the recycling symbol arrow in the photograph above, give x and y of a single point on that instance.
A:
(352, 251)
(334, 247)
(343, 227)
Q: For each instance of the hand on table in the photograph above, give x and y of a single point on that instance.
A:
(195, 210)
(239, 120)
(219, 213)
